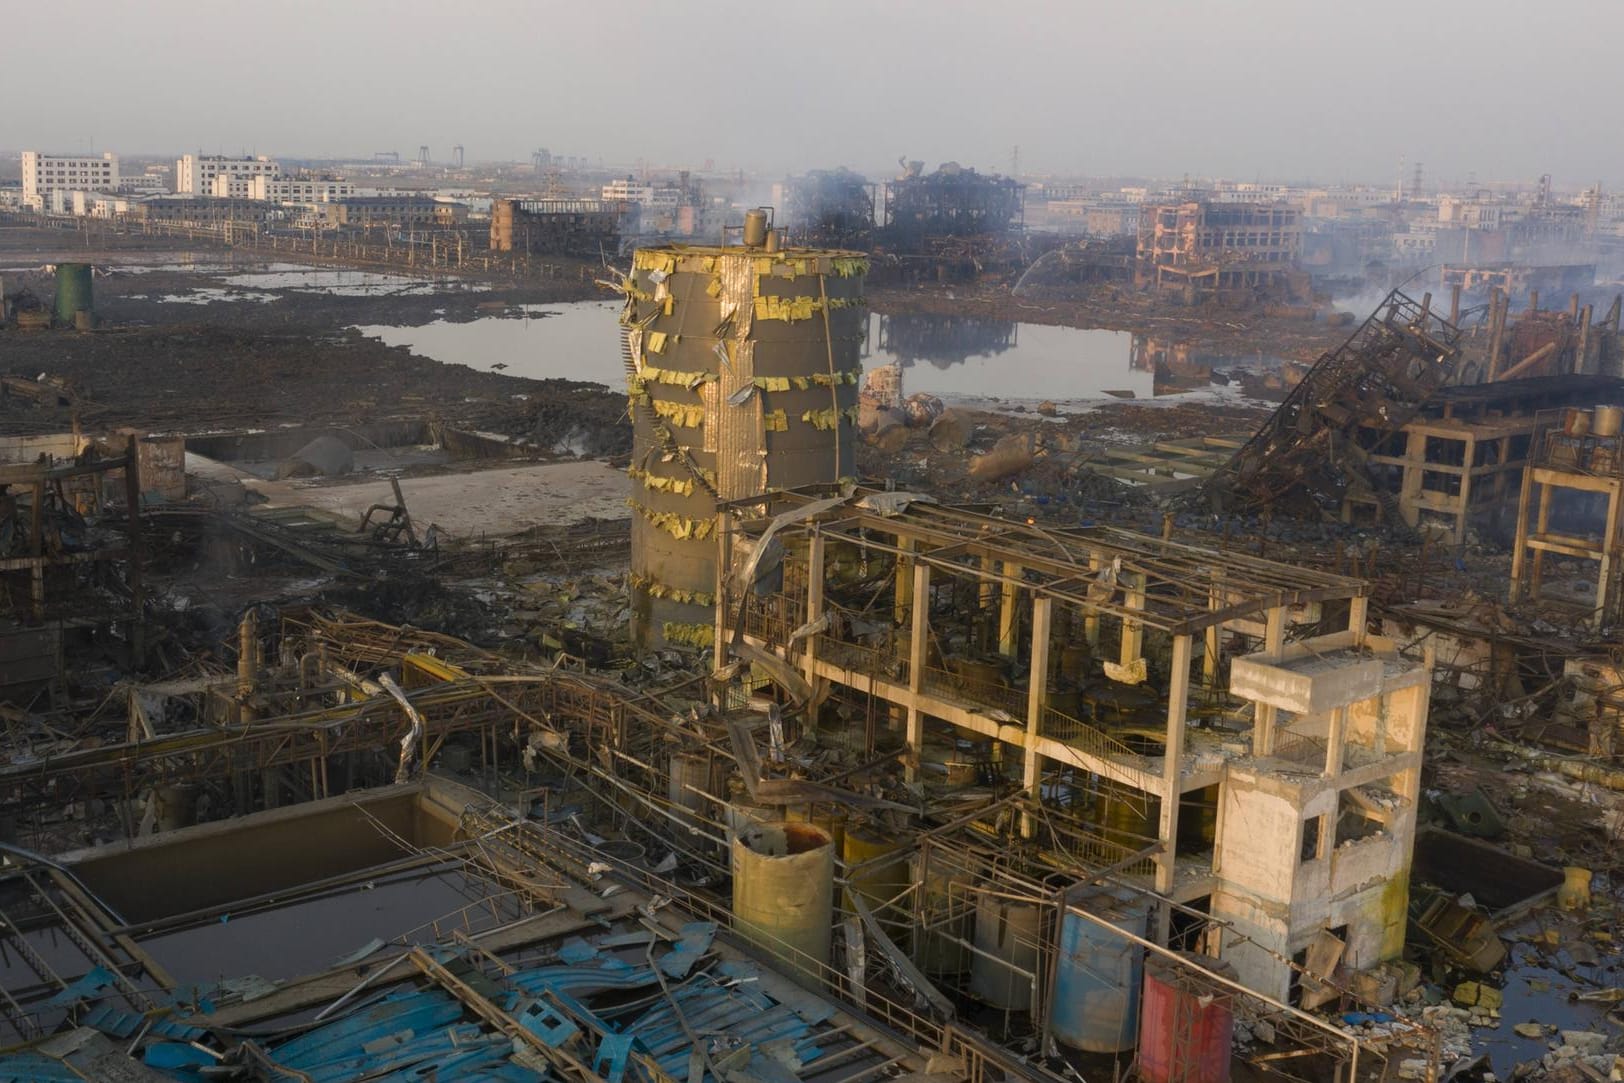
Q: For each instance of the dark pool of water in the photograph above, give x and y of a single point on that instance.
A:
(311, 934)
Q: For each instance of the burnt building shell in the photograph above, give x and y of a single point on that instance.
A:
(951, 202)
(831, 208)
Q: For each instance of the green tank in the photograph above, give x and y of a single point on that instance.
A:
(73, 293)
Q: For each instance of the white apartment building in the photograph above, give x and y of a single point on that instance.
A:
(142, 184)
(195, 174)
(297, 190)
(646, 195)
(44, 173)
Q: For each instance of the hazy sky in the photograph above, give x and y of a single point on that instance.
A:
(1324, 90)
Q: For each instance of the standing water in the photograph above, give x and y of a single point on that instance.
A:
(961, 359)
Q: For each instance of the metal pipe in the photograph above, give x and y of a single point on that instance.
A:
(1529, 362)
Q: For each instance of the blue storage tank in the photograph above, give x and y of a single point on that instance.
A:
(1098, 975)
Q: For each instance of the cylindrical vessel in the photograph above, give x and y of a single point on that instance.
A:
(755, 228)
(175, 806)
(783, 891)
(689, 780)
(1607, 420)
(1129, 818)
(879, 883)
(73, 292)
(1186, 1023)
(743, 814)
(1007, 931)
(945, 898)
(830, 817)
(1095, 1006)
(742, 370)
(1576, 421)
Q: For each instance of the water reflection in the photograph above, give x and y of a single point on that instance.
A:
(973, 359)
(958, 358)
(578, 341)
(1175, 367)
(942, 340)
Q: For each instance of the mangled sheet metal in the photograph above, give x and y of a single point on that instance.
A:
(1311, 454)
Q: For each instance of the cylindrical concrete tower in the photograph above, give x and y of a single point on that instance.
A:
(742, 369)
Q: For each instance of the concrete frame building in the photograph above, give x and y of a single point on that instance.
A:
(1309, 758)
(196, 174)
(1206, 246)
(378, 212)
(1572, 505)
(44, 173)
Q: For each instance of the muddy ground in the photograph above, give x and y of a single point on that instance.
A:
(253, 363)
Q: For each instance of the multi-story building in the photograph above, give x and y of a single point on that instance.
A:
(372, 212)
(44, 173)
(195, 174)
(193, 209)
(298, 189)
(662, 196)
(142, 184)
(1206, 246)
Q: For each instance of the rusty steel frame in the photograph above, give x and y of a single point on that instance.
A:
(1179, 582)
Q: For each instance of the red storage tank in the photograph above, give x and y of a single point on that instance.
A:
(1186, 1025)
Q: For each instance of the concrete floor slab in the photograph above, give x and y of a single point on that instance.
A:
(496, 501)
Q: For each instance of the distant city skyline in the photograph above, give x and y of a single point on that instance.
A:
(1250, 89)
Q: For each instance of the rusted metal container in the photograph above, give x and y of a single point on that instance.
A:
(1095, 1006)
(783, 892)
(1186, 1023)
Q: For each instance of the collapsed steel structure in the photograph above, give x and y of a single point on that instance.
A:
(1311, 454)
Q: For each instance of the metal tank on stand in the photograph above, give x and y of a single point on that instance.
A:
(742, 369)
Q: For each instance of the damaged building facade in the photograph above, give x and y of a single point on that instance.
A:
(1224, 731)
(1206, 248)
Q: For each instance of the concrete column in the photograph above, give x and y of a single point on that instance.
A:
(814, 603)
(1009, 614)
(1359, 618)
(1133, 631)
(1543, 527)
(1335, 738)
(1091, 620)
(1037, 694)
(1581, 347)
(1498, 304)
(1519, 548)
(1178, 699)
(919, 638)
(1263, 719)
(904, 584)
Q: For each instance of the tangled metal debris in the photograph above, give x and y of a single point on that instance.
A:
(1310, 455)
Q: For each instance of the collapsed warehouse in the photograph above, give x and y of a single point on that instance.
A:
(900, 790)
